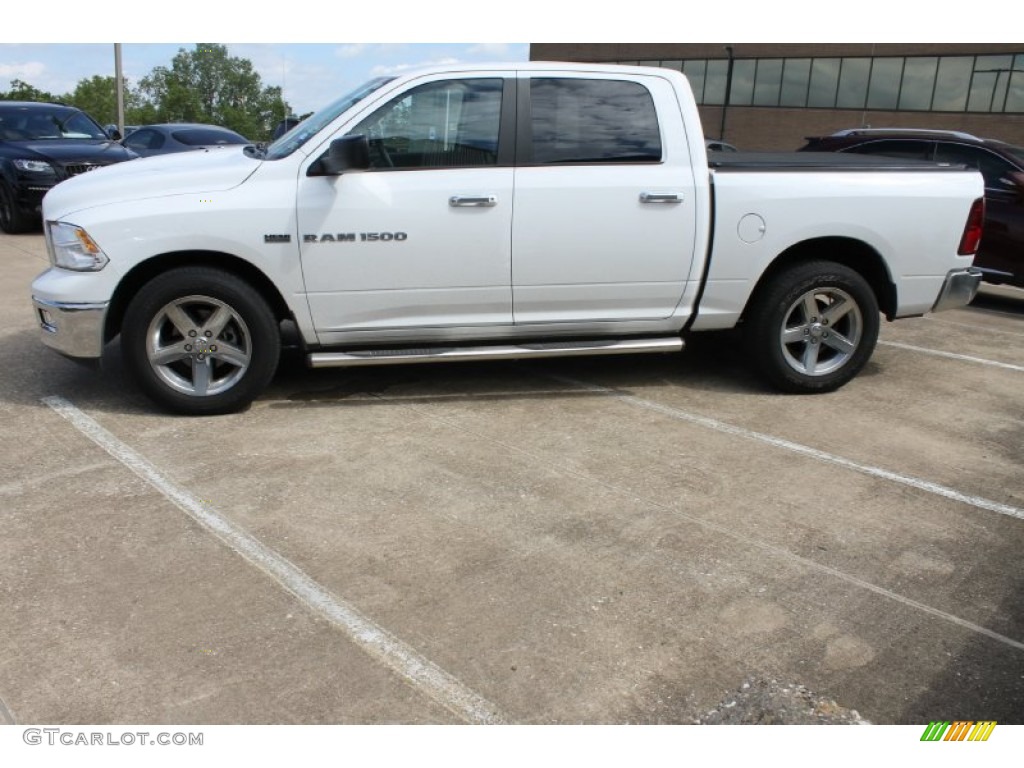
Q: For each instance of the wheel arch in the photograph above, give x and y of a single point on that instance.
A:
(142, 273)
(850, 252)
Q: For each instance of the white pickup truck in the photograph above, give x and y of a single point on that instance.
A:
(481, 212)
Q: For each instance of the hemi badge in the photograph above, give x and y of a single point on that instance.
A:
(277, 238)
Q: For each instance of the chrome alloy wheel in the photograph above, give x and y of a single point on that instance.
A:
(821, 331)
(198, 345)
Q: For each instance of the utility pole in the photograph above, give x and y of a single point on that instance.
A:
(119, 85)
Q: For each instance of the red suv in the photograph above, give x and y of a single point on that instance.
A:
(1001, 257)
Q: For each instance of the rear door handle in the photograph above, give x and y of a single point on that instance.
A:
(661, 197)
(465, 201)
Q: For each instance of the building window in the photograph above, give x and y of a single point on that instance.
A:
(694, 70)
(952, 83)
(717, 77)
(768, 82)
(853, 83)
(918, 84)
(1015, 86)
(884, 87)
(743, 72)
(796, 77)
(991, 83)
(824, 82)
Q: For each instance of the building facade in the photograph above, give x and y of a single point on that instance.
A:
(780, 93)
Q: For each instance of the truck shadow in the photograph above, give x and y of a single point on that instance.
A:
(982, 679)
(1000, 300)
(711, 362)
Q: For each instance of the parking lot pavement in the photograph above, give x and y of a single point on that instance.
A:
(599, 541)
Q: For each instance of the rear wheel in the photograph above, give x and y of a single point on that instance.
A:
(813, 327)
(200, 341)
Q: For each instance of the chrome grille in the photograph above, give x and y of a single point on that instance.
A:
(76, 168)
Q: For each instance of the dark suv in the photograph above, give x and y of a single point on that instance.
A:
(1001, 257)
(41, 145)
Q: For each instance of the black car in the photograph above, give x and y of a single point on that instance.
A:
(163, 139)
(1001, 256)
(43, 144)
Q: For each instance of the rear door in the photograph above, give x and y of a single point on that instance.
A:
(605, 207)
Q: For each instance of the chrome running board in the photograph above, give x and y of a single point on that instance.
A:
(493, 352)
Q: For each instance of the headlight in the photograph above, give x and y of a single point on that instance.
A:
(33, 166)
(72, 248)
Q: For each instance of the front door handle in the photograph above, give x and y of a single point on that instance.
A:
(464, 201)
(661, 197)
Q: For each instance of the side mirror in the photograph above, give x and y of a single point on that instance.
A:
(112, 133)
(349, 153)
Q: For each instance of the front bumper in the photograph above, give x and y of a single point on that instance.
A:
(29, 196)
(958, 289)
(75, 330)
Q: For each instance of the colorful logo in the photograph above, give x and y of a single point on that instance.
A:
(958, 730)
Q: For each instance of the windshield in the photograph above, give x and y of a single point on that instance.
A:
(39, 123)
(316, 122)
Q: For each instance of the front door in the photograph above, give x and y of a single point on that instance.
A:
(422, 238)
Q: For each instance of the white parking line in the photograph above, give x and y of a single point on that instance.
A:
(804, 450)
(732, 533)
(983, 328)
(954, 356)
(419, 672)
(6, 716)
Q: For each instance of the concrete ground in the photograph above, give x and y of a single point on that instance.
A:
(613, 540)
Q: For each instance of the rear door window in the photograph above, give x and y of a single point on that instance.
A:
(144, 139)
(577, 120)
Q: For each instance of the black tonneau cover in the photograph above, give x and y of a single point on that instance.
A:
(819, 161)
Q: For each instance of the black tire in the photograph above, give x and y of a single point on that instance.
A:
(200, 341)
(13, 220)
(812, 328)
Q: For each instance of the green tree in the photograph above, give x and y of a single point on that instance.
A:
(22, 91)
(206, 85)
(97, 96)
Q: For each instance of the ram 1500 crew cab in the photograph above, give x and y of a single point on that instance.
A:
(475, 212)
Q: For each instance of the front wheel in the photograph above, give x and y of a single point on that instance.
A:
(200, 341)
(813, 327)
(13, 220)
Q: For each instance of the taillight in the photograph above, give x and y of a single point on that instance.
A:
(972, 230)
